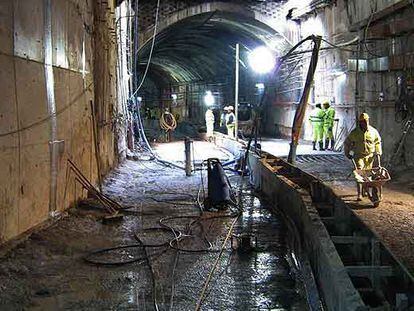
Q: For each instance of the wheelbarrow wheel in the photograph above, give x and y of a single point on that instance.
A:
(376, 196)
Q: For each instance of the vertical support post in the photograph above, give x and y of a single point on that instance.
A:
(188, 167)
(356, 94)
(300, 112)
(236, 92)
(96, 143)
(51, 104)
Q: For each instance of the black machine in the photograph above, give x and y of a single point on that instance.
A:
(218, 186)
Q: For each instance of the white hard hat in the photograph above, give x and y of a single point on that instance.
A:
(230, 107)
(226, 108)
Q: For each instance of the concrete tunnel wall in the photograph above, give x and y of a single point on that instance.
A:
(335, 80)
(82, 72)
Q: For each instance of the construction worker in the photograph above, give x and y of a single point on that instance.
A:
(223, 117)
(230, 121)
(328, 125)
(317, 119)
(209, 123)
(362, 144)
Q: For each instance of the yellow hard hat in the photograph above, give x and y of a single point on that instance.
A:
(363, 117)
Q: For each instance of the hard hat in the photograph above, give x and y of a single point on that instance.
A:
(326, 103)
(226, 108)
(231, 108)
(363, 117)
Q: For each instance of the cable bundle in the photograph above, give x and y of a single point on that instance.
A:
(168, 122)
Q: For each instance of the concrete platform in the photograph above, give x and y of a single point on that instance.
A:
(202, 150)
(280, 148)
(393, 220)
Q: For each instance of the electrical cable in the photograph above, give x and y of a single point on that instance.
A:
(154, 284)
(151, 50)
(172, 292)
(149, 148)
(58, 112)
(365, 37)
(89, 257)
(206, 284)
(138, 113)
(342, 45)
(168, 122)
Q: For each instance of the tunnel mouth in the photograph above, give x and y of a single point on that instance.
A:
(201, 47)
(196, 55)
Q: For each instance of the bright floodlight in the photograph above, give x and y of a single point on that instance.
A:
(262, 60)
(260, 86)
(209, 99)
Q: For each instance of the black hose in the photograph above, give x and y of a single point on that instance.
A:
(89, 257)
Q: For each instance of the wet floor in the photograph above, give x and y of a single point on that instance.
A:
(49, 271)
(260, 278)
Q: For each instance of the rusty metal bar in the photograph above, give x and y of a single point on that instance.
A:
(301, 111)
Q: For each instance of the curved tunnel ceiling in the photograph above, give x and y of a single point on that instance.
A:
(201, 47)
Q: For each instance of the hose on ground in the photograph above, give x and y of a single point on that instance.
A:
(173, 243)
(90, 256)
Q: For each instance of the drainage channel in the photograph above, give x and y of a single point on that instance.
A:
(356, 260)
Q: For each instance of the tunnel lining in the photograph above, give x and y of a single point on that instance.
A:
(203, 44)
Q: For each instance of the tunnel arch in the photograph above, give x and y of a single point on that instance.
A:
(211, 8)
(190, 43)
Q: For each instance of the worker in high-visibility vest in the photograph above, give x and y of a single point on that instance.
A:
(317, 119)
(328, 125)
(230, 121)
(209, 123)
(362, 145)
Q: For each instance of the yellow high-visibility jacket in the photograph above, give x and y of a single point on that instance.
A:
(363, 143)
(318, 117)
(329, 118)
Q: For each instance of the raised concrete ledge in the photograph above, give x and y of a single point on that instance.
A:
(331, 275)
(232, 145)
(325, 224)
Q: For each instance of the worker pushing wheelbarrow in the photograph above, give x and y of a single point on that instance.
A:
(363, 147)
(371, 180)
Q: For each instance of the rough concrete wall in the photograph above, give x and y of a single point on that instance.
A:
(365, 96)
(334, 81)
(25, 117)
(333, 282)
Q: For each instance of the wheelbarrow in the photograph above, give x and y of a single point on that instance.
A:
(372, 181)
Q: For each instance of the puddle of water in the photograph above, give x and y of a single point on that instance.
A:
(258, 280)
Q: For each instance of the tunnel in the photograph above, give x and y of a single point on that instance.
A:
(206, 155)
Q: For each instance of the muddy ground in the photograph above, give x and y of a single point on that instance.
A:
(393, 220)
(48, 271)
